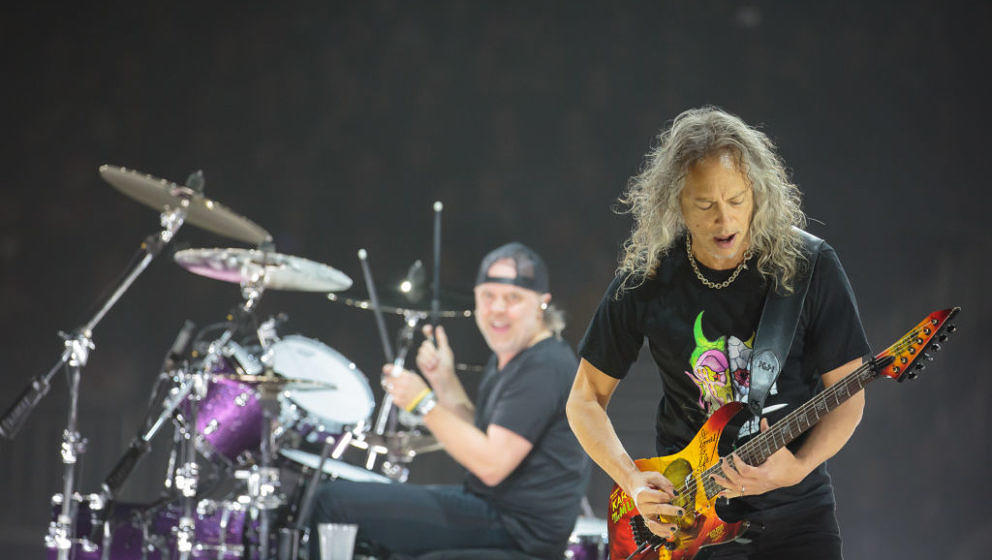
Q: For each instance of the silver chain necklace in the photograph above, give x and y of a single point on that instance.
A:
(703, 279)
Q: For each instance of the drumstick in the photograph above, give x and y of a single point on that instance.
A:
(436, 299)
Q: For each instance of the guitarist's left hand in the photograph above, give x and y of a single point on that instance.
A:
(740, 479)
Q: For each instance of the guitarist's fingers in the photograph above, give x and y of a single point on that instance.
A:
(664, 530)
(645, 496)
(731, 487)
(743, 469)
(654, 511)
(657, 480)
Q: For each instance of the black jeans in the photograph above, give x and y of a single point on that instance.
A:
(409, 519)
(809, 535)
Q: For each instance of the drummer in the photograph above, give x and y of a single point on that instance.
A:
(526, 472)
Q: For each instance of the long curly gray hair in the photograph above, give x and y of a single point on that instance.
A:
(652, 196)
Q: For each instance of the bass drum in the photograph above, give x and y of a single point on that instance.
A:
(315, 413)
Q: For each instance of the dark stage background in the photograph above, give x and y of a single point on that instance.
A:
(336, 125)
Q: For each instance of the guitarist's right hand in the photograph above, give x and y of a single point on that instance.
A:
(652, 493)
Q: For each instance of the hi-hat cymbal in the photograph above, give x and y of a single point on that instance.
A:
(407, 444)
(163, 195)
(452, 304)
(272, 270)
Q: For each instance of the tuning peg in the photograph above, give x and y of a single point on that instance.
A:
(920, 366)
(935, 347)
(911, 375)
(942, 338)
(952, 328)
(926, 357)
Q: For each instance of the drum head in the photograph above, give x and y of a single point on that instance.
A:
(337, 469)
(348, 404)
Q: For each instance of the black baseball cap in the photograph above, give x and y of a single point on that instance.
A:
(532, 273)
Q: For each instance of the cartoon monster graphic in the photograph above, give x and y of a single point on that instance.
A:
(719, 368)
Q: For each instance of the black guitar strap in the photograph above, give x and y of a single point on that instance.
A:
(777, 328)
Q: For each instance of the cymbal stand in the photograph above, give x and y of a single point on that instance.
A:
(73, 359)
(263, 480)
(187, 474)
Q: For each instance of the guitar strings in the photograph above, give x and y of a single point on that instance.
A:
(855, 377)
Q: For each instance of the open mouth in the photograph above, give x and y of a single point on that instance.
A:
(725, 242)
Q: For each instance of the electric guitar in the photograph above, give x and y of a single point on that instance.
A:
(691, 469)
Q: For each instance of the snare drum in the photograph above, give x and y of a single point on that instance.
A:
(316, 414)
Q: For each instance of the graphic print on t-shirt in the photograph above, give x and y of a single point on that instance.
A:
(719, 368)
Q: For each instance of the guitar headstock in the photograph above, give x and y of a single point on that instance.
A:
(918, 345)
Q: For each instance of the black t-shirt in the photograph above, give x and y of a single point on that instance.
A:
(539, 501)
(701, 340)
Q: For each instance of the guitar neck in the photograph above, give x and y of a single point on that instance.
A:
(757, 450)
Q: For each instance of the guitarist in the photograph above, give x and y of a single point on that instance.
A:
(714, 216)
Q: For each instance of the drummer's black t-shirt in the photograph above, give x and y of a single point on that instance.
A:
(701, 340)
(539, 501)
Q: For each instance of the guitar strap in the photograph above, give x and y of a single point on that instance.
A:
(777, 328)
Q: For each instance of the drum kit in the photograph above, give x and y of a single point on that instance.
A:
(258, 419)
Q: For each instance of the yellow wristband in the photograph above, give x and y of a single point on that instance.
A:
(413, 404)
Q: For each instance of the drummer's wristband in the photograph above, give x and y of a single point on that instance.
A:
(416, 400)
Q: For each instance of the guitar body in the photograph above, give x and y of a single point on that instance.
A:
(701, 526)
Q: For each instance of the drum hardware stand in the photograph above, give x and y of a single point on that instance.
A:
(289, 538)
(187, 474)
(141, 443)
(73, 359)
(263, 480)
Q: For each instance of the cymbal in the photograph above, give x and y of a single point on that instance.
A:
(163, 195)
(273, 270)
(278, 382)
(452, 304)
(400, 443)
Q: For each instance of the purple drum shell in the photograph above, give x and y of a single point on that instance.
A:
(585, 550)
(208, 521)
(230, 418)
(127, 536)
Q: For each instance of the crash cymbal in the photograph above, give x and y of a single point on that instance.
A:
(278, 381)
(163, 195)
(400, 443)
(272, 270)
(453, 304)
